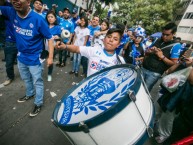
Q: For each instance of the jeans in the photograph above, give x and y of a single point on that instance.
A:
(32, 76)
(10, 51)
(76, 62)
(62, 56)
(50, 69)
(150, 78)
(84, 62)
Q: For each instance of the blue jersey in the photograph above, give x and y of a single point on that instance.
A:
(56, 30)
(74, 21)
(175, 51)
(92, 31)
(30, 33)
(124, 40)
(67, 25)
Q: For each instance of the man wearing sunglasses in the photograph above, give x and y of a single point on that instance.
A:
(163, 54)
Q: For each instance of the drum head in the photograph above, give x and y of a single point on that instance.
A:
(97, 98)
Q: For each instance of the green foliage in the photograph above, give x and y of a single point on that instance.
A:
(152, 13)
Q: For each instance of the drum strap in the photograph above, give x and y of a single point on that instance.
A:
(119, 60)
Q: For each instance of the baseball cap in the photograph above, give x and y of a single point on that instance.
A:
(74, 11)
(67, 9)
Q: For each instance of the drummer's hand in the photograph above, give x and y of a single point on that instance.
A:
(60, 45)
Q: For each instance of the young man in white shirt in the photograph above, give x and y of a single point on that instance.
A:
(99, 58)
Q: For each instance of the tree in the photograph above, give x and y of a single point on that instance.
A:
(152, 13)
(100, 6)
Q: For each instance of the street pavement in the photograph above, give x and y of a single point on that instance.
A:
(16, 127)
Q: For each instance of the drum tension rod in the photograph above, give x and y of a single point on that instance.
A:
(132, 95)
(84, 127)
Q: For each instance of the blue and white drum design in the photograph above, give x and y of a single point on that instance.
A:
(101, 105)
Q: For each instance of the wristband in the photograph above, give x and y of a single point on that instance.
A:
(66, 46)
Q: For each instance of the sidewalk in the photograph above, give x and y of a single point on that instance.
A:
(16, 127)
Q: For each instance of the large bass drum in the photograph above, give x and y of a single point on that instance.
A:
(110, 107)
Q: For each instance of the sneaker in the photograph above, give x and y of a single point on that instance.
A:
(35, 111)
(58, 64)
(82, 75)
(63, 64)
(7, 82)
(49, 78)
(71, 72)
(25, 98)
(76, 74)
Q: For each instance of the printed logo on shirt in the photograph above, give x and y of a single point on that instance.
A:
(93, 65)
(99, 66)
(98, 52)
(104, 62)
(31, 25)
(15, 21)
(23, 31)
(116, 61)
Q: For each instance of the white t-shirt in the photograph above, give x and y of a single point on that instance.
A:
(80, 35)
(98, 58)
(98, 41)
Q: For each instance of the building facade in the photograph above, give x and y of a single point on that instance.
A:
(185, 22)
(67, 3)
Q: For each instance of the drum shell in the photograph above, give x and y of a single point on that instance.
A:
(126, 127)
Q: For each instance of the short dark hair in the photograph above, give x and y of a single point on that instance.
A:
(53, 13)
(39, 1)
(171, 26)
(86, 20)
(120, 26)
(66, 9)
(113, 30)
(96, 16)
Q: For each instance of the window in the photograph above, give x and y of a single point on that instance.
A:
(188, 16)
(178, 17)
(183, 29)
(191, 31)
(186, 3)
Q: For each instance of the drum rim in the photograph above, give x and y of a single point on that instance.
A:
(106, 115)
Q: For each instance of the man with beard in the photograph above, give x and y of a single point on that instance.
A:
(67, 24)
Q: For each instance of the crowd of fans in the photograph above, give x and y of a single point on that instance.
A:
(96, 44)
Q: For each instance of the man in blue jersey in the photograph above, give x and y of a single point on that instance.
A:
(30, 29)
(38, 5)
(75, 18)
(10, 49)
(67, 24)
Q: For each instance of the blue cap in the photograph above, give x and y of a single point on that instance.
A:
(74, 11)
(130, 29)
